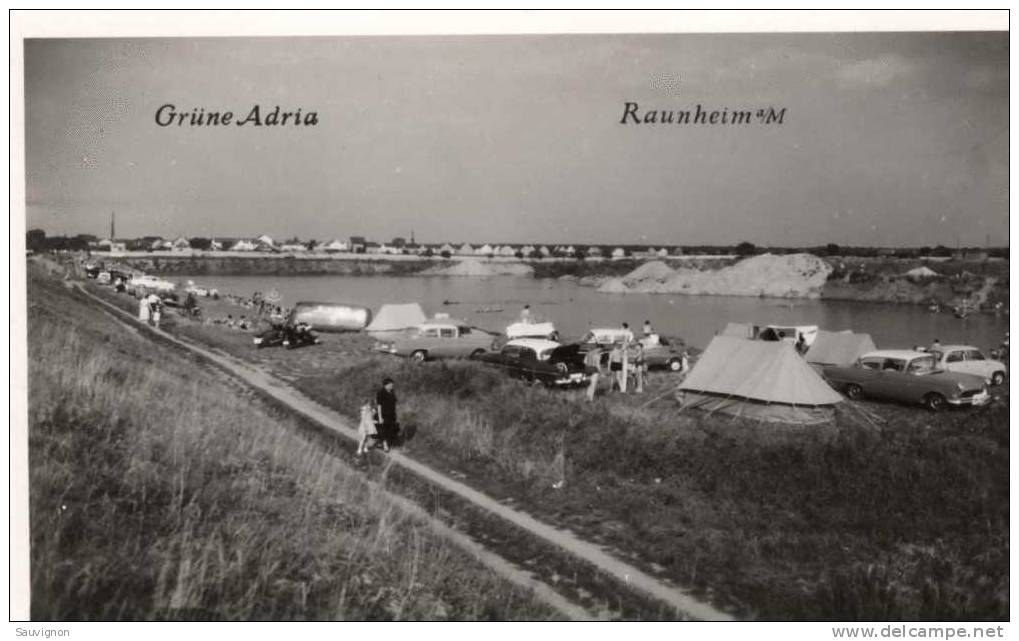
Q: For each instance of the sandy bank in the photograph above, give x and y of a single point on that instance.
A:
(788, 276)
(479, 269)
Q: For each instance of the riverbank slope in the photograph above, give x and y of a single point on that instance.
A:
(161, 491)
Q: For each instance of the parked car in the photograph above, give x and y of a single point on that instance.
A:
(907, 376)
(150, 283)
(659, 352)
(662, 352)
(969, 360)
(537, 360)
(440, 339)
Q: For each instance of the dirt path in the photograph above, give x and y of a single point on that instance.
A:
(684, 605)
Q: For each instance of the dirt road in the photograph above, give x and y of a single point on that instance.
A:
(676, 600)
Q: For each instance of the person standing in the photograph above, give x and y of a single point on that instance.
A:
(386, 401)
(525, 314)
(144, 312)
(639, 367)
(366, 428)
(627, 334)
(592, 364)
(648, 330)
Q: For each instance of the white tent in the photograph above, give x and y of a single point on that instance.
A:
(397, 317)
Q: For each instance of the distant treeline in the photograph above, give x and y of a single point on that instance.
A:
(36, 240)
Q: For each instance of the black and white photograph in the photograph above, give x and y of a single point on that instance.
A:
(474, 325)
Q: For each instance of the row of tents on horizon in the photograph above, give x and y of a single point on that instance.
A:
(737, 374)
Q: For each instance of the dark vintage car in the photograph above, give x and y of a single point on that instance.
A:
(540, 361)
(909, 377)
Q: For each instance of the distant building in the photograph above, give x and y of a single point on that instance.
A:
(619, 252)
(293, 247)
(358, 244)
(507, 251)
(180, 244)
(215, 245)
(399, 242)
(971, 255)
(265, 239)
(663, 253)
(466, 250)
(527, 250)
(447, 249)
(594, 251)
(335, 245)
(371, 247)
(545, 251)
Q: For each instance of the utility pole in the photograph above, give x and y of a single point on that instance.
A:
(113, 228)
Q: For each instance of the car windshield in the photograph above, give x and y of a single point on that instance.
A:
(921, 365)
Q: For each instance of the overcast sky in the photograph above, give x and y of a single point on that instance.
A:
(888, 139)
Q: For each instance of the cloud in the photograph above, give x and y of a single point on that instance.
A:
(873, 72)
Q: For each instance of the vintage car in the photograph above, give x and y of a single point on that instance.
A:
(144, 282)
(526, 329)
(542, 361)
(662, 352)
(907, 376)
(659, 352)
(440, 339)
(969, 360)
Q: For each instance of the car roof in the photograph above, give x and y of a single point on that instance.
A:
(443, 322)
(906, 354)
(537, 344)
(945, 348)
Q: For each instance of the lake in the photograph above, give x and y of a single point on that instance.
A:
(574, 309)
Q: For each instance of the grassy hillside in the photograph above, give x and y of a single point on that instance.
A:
(159, 491)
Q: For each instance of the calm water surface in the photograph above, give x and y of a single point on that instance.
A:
(574, 309)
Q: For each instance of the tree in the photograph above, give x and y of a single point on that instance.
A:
(446, 254)
(428, 253)
(940, 251)
(746, 249)
(519, 254)
(311, 244)
(535, 255)
(35, 240)
(831, 249)
(203, 244)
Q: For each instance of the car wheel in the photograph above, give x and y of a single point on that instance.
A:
(934, 402)
(675, 365)
(854, 391)
(419, 356)
(997, 378)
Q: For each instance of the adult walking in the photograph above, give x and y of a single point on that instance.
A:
(386, 402)
(592, 365)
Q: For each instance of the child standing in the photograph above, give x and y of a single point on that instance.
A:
(366, 428)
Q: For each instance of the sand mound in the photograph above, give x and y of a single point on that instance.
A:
(790, 276)
(614, 286)
(654, 271)
(471, 267)
(922, 272)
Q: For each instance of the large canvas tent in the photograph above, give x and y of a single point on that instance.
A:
(839, 348)
(397, 317)
(762, 380)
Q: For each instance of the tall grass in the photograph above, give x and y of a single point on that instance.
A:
(832, 522)
(157, 491)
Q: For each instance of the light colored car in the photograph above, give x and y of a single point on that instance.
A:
(907, 376)
(440, 339)
(150, 283)
(969, 360)
(607, 335)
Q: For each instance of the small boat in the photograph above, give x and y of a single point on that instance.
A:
(488, 310)
(332, 317)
